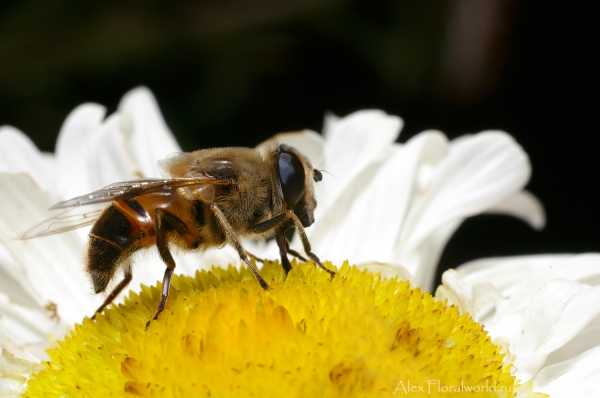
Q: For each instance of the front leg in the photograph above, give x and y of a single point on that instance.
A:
(283, 249)
(282, 222)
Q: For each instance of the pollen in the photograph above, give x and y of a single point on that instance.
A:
(310, 335)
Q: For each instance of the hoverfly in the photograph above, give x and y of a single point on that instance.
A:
(213, 197)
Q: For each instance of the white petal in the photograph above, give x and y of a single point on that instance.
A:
(577, 377)
(311, 144)
(11, 385)
(29, 327)
(218, 257)
(527, 273)
(53, 264)
(585, 340)
(505, 272)
(479, 172)
(452, 290)
(422, 261)
(362, 225)
(540, 297)
(18, 154)
(15, 366)
(14, 282)
(352, 229)
(111, 161)
(556, 313)
(76, 142)
(539, 306)
(502, 288)
(263, 249)
(388, 270)
(148, 268)
(353, 143)
(150, 140)
(523, 205)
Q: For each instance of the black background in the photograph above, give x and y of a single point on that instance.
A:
(234, 72)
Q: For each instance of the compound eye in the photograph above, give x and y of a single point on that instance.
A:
(291, 177)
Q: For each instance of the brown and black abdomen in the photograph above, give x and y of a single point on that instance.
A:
(110, 237)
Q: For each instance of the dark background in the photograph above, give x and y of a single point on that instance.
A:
(234, 72)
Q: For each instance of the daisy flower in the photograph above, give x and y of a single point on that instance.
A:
(391, 208)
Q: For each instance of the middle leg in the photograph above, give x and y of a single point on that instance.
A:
(229, 232)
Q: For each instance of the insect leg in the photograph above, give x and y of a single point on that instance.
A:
(283, 250)
(115, 292)
(306, 244)
(293, 252)
(260, 260)
(166, 221)
(282, 222)
(236, 243)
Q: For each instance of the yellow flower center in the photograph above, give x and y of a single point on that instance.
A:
(221, 335)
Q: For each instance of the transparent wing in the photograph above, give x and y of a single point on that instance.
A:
(130, 189)
(85, 210)
(66, 220)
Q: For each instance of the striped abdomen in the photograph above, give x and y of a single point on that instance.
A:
(112, 239)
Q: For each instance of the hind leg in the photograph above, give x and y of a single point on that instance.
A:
(165, 222)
